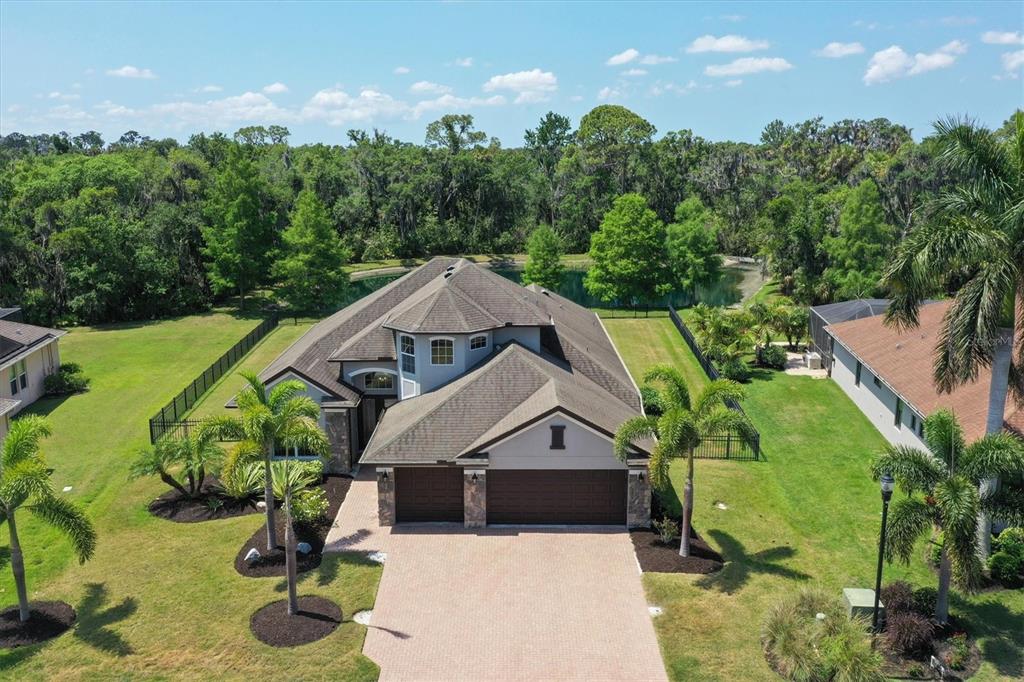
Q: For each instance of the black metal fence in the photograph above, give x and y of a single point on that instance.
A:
(171, 418)
(722, 446)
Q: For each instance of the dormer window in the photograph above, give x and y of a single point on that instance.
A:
(478, 342)
(407, 349)
(442, 352)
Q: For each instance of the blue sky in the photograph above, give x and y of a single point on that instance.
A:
(723, 70)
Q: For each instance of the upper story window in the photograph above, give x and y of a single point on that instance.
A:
(856, 376)
(377, 381)
(19, 377)
(878, 382)
(477, 342)
(407, 350)
(898, 417)
(558, 437)
(442, 352)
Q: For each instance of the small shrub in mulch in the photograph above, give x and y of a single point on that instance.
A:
(48, 619)
(207, 506)
(316, 618)
(656, 556)
(272, 564)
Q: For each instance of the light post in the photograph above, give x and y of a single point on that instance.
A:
(887, 483)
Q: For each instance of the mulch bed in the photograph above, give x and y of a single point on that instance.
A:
(48, 619)
(316, 618)
(179, 508)
(901, 667)
(657, 557)
(272, 564)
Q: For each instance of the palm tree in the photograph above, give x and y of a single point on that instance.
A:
(681, 428)
(288, 480)
(941, 486)
(976, 237)
(25, 483)
(194, 454)
(281, 416)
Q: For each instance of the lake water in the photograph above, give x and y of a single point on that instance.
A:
(726, 291)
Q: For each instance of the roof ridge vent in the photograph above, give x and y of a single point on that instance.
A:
(447, 274)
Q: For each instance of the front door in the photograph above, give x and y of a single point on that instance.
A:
(370, 410)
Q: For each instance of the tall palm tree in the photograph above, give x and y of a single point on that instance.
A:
(280, 416)
(976, 237)
(25, 483)
(681, 428)
(941, 486)
(288, 480)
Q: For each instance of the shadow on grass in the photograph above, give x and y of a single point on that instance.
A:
(94, 621)
(740, 565)
(328, 570)
(1001, 630)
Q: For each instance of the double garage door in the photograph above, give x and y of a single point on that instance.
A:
(514, 496)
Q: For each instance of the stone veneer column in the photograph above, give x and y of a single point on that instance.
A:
(386, 496)
(474, 497)
(638, 499)
(336, 425)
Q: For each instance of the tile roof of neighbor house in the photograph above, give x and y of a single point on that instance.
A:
(470, 298)
(16, 337)
(506, 392)
(904, 361)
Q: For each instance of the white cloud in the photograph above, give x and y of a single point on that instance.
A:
(607, 92)
(729, 43)
(128, 71)
(209, 88)
(869, 25)
(836, 50)
(428, 88)
(63, 96)
(732, 17)
(1013, 60)
(893, 63)
(115, 110)
(748, 65)
(958, 21)
(336, 107)
(655, 59)
(1002, 38)
(401, 70)
(660, 88)
(449, 102)
(275, 88)
(530, 86)
(624, 57)
(634, 72)
(734, 83)
(464, 62)
(247, 107)
(65, 112)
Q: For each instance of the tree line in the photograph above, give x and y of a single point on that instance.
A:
(141, 228)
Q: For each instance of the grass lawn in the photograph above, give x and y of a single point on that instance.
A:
(768, 292)
(807, 515)
(160, 599)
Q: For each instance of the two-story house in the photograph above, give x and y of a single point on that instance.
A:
(27, 355)
(476, 400)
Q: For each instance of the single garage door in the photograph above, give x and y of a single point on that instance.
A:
(591, 497)
(428, 494)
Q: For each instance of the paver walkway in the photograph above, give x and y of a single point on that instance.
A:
(501, 603)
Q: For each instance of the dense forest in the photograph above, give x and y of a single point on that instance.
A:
(95, 231)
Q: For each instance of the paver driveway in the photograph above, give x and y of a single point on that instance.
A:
(502, 603)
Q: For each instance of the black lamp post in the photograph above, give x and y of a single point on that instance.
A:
(887, 483)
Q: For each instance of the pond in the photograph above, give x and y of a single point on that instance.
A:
(726, 291)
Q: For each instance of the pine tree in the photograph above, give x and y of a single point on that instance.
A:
(311, 269)
(544, 265)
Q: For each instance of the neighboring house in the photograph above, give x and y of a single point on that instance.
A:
(833, 313)
(476, 400)
(888, 374)
(27, 355)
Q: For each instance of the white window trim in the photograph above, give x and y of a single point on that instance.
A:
(403, 354)
(450, 339)
(479, 336)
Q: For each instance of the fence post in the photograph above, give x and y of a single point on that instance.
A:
(728, 444)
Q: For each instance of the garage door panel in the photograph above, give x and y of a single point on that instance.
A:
(428, 494)
(527, 496)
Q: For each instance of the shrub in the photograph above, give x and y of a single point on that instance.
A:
(315, 468)
(1010, 540)
(909, 634)
(735, 369)
(774, 357)
(924, 601)
(242, 481)
(652, 401)
(848, 655)
(668, 530)
(66, 380)
(898, 597)
(309, 505)
(1006, 567)
(959, 651)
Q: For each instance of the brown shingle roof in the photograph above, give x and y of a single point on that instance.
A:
(16, 337)
(904, 361)
(510, 390)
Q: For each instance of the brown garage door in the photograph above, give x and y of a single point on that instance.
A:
(428, 494)
(593, 497)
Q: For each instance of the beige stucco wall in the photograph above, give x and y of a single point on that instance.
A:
(531, 448)
(38, 364)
